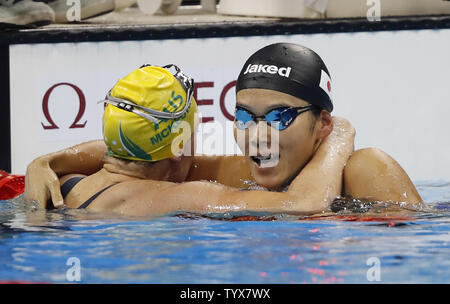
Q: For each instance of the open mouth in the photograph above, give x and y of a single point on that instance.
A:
(266, 161)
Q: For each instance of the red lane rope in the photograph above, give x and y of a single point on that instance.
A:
(19, 282)
(345, 218)
(11, 185)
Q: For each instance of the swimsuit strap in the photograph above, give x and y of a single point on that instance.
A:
(69, 184)
(89, 201)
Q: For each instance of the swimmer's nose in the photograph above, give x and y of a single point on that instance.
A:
(259, 138)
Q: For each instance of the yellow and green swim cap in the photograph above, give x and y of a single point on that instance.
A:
(143, 108)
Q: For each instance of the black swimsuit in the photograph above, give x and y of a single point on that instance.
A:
(71, 182)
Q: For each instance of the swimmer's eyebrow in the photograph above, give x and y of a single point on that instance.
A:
(238, 105)
(267, 110)
(278, 106)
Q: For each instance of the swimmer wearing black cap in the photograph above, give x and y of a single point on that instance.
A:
(281, 83)
(284, 88)
(288, 88)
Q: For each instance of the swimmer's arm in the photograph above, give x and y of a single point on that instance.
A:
(215, 198)
(85, 158)
(203, 197)
(41, 181)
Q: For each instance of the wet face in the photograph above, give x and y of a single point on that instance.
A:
(275, 165)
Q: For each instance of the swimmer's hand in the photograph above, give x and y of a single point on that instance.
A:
(320, 181)
(343, 134)
(42, 183)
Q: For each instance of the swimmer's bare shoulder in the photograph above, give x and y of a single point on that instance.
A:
(374, 175)
(230, 170)
(154, 198)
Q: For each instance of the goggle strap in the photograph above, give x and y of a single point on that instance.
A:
(158, 114)
(188, 83)
(130, 108)
(150, 114)
(305, 109)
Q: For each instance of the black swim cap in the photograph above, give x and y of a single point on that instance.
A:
(288, 68)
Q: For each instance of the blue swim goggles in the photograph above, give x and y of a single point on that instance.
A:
(279, 118)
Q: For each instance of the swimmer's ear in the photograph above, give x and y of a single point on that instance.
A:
(324, 125)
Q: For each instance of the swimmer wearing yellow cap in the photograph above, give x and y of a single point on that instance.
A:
(143, 108)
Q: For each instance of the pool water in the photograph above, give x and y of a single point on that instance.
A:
(77, 246)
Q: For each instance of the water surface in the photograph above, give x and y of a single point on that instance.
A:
(36, 245)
